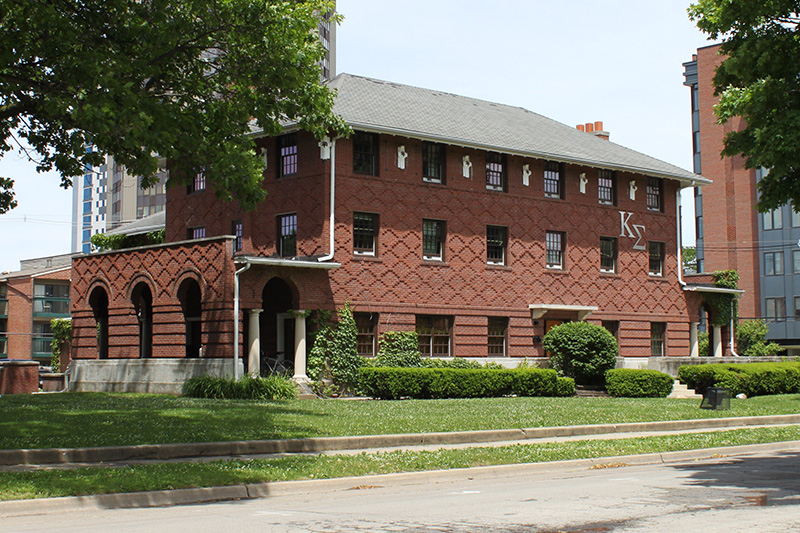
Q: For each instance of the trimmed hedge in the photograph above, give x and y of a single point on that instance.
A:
(395, 383)
(638, 383)
(752, 379)
(565, 387)
(274, 387)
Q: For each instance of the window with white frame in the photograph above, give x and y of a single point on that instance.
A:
(287, 235)
(658, 334)
(553, 180)
(433, 161)
(656, 263)
(496, 244)
(365, 233)
(287, 151)
(366, 324)
(496, 171)
(608, 254)
(554, 243)
(237, 228)
(607, 188)
(655, 194)
(433, 232)
(365, 153)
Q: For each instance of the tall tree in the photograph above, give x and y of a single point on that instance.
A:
(760, 82)
(182, 79)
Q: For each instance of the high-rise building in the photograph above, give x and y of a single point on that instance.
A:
(731, 234)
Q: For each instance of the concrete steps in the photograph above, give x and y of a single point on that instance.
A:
(679, 390)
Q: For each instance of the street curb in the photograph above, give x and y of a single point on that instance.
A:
(322, 444)
(166, 498)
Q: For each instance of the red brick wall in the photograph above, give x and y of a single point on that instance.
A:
(398, 284)
(162, 268)
(730, 223)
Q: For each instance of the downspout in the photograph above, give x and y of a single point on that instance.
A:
(733, 352)
(680, 237)
(236, 318)
(332, 221)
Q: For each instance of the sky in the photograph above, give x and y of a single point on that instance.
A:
(574, 61)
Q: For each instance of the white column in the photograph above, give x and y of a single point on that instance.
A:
(694, 347)
(254, 343)
(300, 347)
(717, 341)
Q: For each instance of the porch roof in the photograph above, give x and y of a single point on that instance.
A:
(284, 262)
(539, 310)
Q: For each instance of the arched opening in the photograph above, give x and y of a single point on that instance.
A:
(277, 325)
(98, 300)
(191, 304)
(142, 300)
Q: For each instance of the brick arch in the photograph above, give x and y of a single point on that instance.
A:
(189, 273)
(98, 281)
(141, 277)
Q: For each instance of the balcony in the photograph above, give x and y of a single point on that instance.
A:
(42, 347)
(51, 307)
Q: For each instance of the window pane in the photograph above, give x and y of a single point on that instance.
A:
(495, 245)
(287, 237)
(654, 186)
(434, 335)
(365, 151)
(554, 243)
(288, 155)
(608, 254)
(657, 330)
(433, 162)
(365, 327)
(432, 233)
(656, 258)
(495, 171)
(496, 337)
(552, 180)
(606, 188)
(364, 232)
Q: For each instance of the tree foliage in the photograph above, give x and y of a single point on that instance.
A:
(102, 242)
(751, 336)
(759, 82)
(184, 79)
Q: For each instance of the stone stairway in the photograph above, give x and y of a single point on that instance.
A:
(679, 390)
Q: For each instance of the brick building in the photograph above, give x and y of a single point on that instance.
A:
(731, 234)
(29, 299)
(476, 224)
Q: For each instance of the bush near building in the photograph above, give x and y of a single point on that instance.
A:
(751, 336)
(395, 383)
(752, 379)
(272, 387)
(582, 351)
(638, 383)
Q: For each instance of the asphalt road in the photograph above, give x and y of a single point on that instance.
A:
(747, 493)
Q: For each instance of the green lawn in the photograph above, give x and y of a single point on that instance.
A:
(92, 419)
(101, 480)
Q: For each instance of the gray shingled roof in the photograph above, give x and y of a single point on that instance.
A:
(382, 106)
(154, 222)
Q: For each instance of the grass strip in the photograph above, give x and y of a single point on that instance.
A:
(75, 420)
(161, 476)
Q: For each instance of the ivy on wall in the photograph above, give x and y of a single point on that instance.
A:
(722, 307)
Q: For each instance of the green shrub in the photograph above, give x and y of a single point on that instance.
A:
(582, 351)
(565, 387)
(343, 357)
(399, 349)
(703, 344)
(395, 383)
(274, 387)
(62, 335)
(752, 379)
(751, 337)
(638, 383)
(455, 362)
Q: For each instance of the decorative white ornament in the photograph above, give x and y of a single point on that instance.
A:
(325, 148)
(466, 167)
(583, 182)
(401, 157)
(632, 189)
(526, 175)
(264, 156)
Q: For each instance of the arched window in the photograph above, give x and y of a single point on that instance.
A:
(191, 304)
(142, 300)
(98, 299)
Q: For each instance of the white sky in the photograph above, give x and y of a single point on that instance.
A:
(578, 61)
